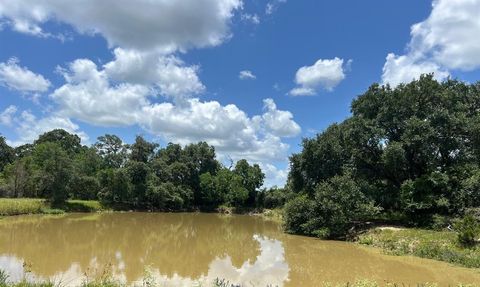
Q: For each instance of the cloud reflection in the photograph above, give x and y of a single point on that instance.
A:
(269, 268)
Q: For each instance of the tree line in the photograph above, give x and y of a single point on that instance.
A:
(142, 175)
(410, 153)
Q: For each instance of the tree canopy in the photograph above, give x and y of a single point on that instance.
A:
(141, 175)
(413, 150)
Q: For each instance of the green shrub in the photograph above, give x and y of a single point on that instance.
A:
(468, 229)
(297, 213)
(336, 205)
(440, 222)
(275, 197)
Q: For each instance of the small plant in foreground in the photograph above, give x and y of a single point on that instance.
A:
(3, 278)
(468, 229)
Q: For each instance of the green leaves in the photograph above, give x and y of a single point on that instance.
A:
(468, 230)
(336, 205)
(413, 149)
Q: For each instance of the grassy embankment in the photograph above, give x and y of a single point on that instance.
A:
(438, 245)
(18, 206)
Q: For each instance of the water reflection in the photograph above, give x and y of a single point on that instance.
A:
(268, 268)
(192, 249)
(180, 249)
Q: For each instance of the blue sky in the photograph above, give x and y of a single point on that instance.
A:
(251, 77)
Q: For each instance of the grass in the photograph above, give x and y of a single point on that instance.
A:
(273, 214)
(438, 245)
(369, 283)
(82, 206)
(18, 206)
(106, 279)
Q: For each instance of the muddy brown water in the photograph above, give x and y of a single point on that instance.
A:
(190, 249)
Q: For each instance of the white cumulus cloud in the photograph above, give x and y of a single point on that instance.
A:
(274, 176)
(447, 40)
(404, 69)
(16, 77)
(142, 24)
(168, 73)
(28, 127)
(325, 73)
(6, 116)
(277, 122)
(246, 75)
(90, 95)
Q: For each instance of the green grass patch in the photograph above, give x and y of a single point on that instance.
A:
(273, 214)
(82, 206)
(438, 245)
(52, 211)
(18, 206)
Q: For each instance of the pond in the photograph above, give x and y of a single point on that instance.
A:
(193, 249)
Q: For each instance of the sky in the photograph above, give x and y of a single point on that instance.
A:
(250, 77)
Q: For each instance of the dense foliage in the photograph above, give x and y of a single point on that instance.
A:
(468, 230)
(412, 150)
(142, 175)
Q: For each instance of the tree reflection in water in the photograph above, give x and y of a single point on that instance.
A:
(179, 249)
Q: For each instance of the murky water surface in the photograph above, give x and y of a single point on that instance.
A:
(194, 249)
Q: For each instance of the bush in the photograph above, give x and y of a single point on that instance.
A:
(336, 205)
(84, 187)
(298, 211)
(274, 197)
(167, 196)
(440, 222)
(468, 229)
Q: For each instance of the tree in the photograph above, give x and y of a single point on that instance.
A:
(55, 171)
(167, 196)
(231, 185)
(84, 187)
(320, 159)
(7, 153)
(70, 143)
(19, 177)
(200, 159)
(412, 149)
(58, 167)
(210, 193)
(275, 197)
(251, 178)
(337, 204)
(24, 150)
(138, 173)
(112, 150)
(115, 186)
(142, 150)
(87, 162)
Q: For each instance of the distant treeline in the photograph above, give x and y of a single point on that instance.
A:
(139, 176)
(410, 153)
